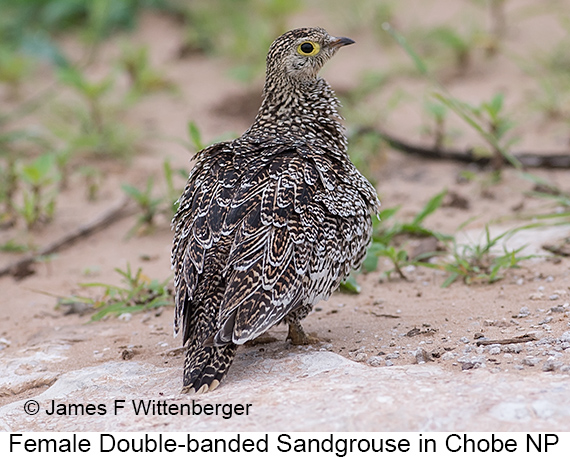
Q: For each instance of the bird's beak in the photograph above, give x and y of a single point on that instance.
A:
(341, 41)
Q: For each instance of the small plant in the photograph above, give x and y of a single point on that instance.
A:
(8, 189)
(93, 178)
(488, 119)
(62, 160)
(148, 205)
(388, 237)
(39, 200)
(461, 47)
(398, 256)
(478, 262)
(14, 246)
(143, 78)
(438, 113)
(91, 92)
(138, 294)
(91, 125)
(14, 69)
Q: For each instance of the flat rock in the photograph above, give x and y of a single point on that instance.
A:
(307, 391)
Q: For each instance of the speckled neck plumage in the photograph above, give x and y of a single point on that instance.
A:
(307, 112)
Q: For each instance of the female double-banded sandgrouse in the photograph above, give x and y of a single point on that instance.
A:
(271, 222)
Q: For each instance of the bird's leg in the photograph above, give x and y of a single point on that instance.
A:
(298, 336)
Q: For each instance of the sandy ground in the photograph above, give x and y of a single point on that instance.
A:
(392, 322)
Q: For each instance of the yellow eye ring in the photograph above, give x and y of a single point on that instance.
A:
(308, 48)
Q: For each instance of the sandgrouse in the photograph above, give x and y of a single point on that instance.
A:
(270, 223)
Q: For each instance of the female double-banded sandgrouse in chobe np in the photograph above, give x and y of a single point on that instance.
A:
(270, 223)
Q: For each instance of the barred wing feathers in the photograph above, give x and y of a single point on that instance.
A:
(272, 227)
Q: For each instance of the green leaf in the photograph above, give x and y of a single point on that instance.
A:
(195, 136)
(370, 262)
(350, 285)
(132, 191)
(433, 204)
(40, 171)
(419, 63)
(388, 213)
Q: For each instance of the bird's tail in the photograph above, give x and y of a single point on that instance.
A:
(205, 366)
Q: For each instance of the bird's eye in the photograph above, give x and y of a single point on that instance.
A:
(308, 48)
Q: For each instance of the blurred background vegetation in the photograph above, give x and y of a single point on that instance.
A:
(61, 115)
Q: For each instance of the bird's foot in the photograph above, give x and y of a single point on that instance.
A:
(298, 336)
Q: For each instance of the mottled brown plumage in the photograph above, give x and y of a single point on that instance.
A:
(271, 222)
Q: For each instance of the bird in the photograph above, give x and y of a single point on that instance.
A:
(272, 222)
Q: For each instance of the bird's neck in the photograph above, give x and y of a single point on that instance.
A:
(301, 113)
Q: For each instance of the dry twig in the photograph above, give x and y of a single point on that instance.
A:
(22, 267)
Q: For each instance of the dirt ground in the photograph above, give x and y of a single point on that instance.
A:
(392, 321)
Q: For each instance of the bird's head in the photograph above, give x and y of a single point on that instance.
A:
(299, 54)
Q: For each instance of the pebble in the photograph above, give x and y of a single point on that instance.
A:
(422, 356)
(126, 317)
(524, 312)
(4, 343)
(530, 361)
(494, 350)
(512, 348)
(360, 357)
(551, 365)
(375, 361)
